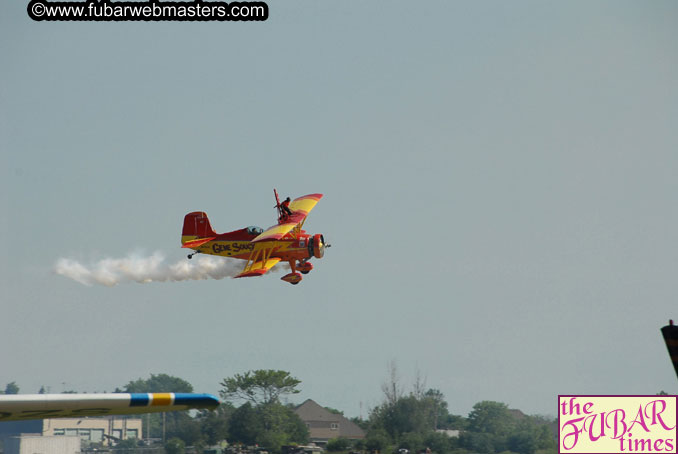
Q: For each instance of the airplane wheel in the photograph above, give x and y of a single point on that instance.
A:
(304, 272)
(292, 278)
(189, 256)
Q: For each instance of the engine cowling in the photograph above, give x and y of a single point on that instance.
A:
(318, 246)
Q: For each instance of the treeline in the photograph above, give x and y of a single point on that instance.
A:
(420, 421)
(11, 388)
(252, 413)
(422, 424)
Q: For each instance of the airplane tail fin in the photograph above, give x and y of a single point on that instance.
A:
(196, 225)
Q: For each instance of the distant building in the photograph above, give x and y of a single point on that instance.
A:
(14, 428)
(323, 425)
(94, 430)
(90, 430)
(452, 433)
(37, 444)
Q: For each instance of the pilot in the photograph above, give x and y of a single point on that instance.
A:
(285, 207)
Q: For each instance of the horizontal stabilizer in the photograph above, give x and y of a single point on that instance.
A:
(197, 243)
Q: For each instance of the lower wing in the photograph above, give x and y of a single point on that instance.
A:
(17, 407)
(258, 268)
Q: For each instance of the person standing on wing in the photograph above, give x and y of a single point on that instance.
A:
(285, 206)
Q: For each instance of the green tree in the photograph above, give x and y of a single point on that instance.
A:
(490, 417)
(408, 418)
(523, 442)
(271, 426)
(295, 427)
(338, 444)
(440, 443)
(436, 400)
(214, 424)
(245, 425)
(377, 440)
(413, 441)
(160, 383)
(262, 418)
(175, 446)
(125, 446)
(493, 428)
(442, 419)
(489, 426)
(406, 414)
(532, 434)
(181, 425)
(12, 388)
(479, 442)
(260, 387)
(364, 424)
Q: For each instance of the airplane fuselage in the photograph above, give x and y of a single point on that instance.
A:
(238, 244)
(286, 249)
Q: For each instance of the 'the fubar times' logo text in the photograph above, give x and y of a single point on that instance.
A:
(617, 424)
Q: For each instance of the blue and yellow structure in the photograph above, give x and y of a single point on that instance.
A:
(18, 407)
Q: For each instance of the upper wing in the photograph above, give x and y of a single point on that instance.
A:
(304, 204)
(300, 208)
(17, 407)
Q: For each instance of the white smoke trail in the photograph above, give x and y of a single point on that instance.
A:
(136, 268)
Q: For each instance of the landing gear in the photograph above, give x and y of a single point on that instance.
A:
(304, 267)
(190, 256)
(292, 278)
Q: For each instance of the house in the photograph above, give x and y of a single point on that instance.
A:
(323, 425)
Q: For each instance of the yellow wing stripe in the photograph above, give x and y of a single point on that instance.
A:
(303, 204)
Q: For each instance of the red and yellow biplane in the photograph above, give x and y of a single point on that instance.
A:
(285, 241)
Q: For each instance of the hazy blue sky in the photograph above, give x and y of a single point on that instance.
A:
(500, 180)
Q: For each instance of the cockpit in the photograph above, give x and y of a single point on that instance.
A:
(254, 230)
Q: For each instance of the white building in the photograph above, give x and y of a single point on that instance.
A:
(36, 444)
(94, 430)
